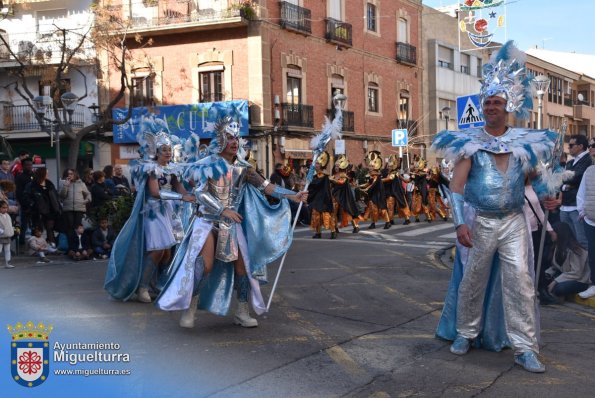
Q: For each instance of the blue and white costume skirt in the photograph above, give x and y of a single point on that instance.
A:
(158, 216)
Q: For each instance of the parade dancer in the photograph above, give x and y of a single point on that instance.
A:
(234, 235)
(320, 200)
(491, 299)
(420, 191)
(344, 196)
(435, 203)
(144, 244)
(374, 188)
(396, 199)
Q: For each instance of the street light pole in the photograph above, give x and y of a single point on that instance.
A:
(541, 84)
(446, 114)
(69, 100)
(42, 104)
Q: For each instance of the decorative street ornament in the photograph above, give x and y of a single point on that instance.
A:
(480, 21)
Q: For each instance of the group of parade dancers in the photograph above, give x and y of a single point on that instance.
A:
(210, 206)
(388, 192)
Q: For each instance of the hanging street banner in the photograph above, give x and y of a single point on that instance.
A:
(469, 112)
(481, 22)
(182, 120)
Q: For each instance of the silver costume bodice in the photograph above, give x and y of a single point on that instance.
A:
(227, 190)
(492, 191)
(214, 196)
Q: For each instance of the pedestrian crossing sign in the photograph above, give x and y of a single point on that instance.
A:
(469, 112)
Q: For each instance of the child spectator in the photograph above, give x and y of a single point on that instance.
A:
(6, 233)
(79, 247)
(102, 239)
(39, 247)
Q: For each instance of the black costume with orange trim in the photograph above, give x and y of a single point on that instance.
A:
(396, 201)
(435, 203)
(420, 193)
(344, 196)
(320, 200)
(376, 207)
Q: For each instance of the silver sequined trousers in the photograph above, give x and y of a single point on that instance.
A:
(509, 237)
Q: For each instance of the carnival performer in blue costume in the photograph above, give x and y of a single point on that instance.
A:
(234, 235)
(491, 297)
(144, 244)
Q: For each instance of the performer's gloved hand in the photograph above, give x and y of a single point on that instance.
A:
(232, 215)
(300, 197)
(464, 235)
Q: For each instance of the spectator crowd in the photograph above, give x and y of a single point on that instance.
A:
(74, 218)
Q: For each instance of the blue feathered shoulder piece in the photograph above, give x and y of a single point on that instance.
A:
(529, 146)
(211, 166)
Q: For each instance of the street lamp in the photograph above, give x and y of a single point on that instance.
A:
(96, 116)
(69, 100)
(446, 114)
(339, 99)
(541, 84)
(42, 104)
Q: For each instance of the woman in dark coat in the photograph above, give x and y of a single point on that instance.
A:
(45, 203)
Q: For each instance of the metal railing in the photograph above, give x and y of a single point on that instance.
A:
(406, 53)
(297, 115)
(339, 32)
(22, 117)
(160, 13)
(295, 17)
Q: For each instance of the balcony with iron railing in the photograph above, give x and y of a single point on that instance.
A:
(167, 15)
(406, 53)
(339, 32)
(297, 115)
(43, 47)
(348, 119)
(296, 18)
(22, 117)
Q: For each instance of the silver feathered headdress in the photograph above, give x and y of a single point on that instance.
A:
(222, 128)
(506, 75)
(154, 135)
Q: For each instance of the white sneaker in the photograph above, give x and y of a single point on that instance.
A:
(9, 265)
(590, 292)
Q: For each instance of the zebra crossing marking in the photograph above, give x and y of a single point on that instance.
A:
(425, 230)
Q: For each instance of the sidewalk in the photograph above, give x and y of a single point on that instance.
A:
(446, 257)
(25, 260)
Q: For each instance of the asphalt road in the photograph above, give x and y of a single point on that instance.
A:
(352, 317)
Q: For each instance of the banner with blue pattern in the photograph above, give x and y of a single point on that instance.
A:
(182, 120)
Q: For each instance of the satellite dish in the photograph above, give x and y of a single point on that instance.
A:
(580, 97)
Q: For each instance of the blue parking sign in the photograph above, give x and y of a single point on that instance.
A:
(400, 137)
(469, 112)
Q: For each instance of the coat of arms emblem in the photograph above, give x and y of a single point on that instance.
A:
(29, 353)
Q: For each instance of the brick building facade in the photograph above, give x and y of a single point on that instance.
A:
(285, 58)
